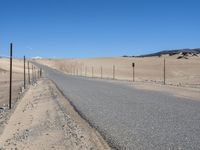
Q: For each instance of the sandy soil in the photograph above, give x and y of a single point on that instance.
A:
(184, 92)
(44, 119)
(182, 76)
(18, 77)
(184, 72)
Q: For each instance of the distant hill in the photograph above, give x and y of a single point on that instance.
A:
(171, 52)
(37, 57)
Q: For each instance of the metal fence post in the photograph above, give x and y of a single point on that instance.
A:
(113, 72)
(40, 72)
(164, 71)
(133, 65)
(29, 80)
(10, 90)
(101, 72)
(32, 75)
(92, 72)
(24, 72)
(86, 71)
(81, 71)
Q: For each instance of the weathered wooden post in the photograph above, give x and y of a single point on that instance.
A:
(10, 90)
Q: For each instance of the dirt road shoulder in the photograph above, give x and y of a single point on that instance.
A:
(44, 119)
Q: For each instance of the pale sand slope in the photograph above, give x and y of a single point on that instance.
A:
(44, 119)
(178, 71)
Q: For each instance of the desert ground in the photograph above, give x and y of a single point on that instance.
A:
(182, 75)
(44, 119)
(5, 76)
(182, 72)
(131, 118)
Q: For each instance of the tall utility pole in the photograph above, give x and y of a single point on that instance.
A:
(164, 71)
(10, 90)
(24, 72)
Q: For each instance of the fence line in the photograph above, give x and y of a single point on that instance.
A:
(22, 77)
(161, 71)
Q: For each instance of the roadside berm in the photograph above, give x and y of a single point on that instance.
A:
(44, 119)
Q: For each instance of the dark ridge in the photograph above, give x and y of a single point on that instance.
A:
(171, 52)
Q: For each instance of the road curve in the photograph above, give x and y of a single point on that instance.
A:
(130, 118)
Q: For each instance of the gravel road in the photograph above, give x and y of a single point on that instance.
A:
(130, 118)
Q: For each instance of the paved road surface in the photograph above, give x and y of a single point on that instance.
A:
(129, 118)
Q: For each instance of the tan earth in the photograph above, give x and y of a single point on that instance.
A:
(182, 75)
(44, 119)
(18, 78)
(185, 72)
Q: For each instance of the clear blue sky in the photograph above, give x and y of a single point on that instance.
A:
(92, 28)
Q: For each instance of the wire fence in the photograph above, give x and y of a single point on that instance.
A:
(171, 71)
(15, 76)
